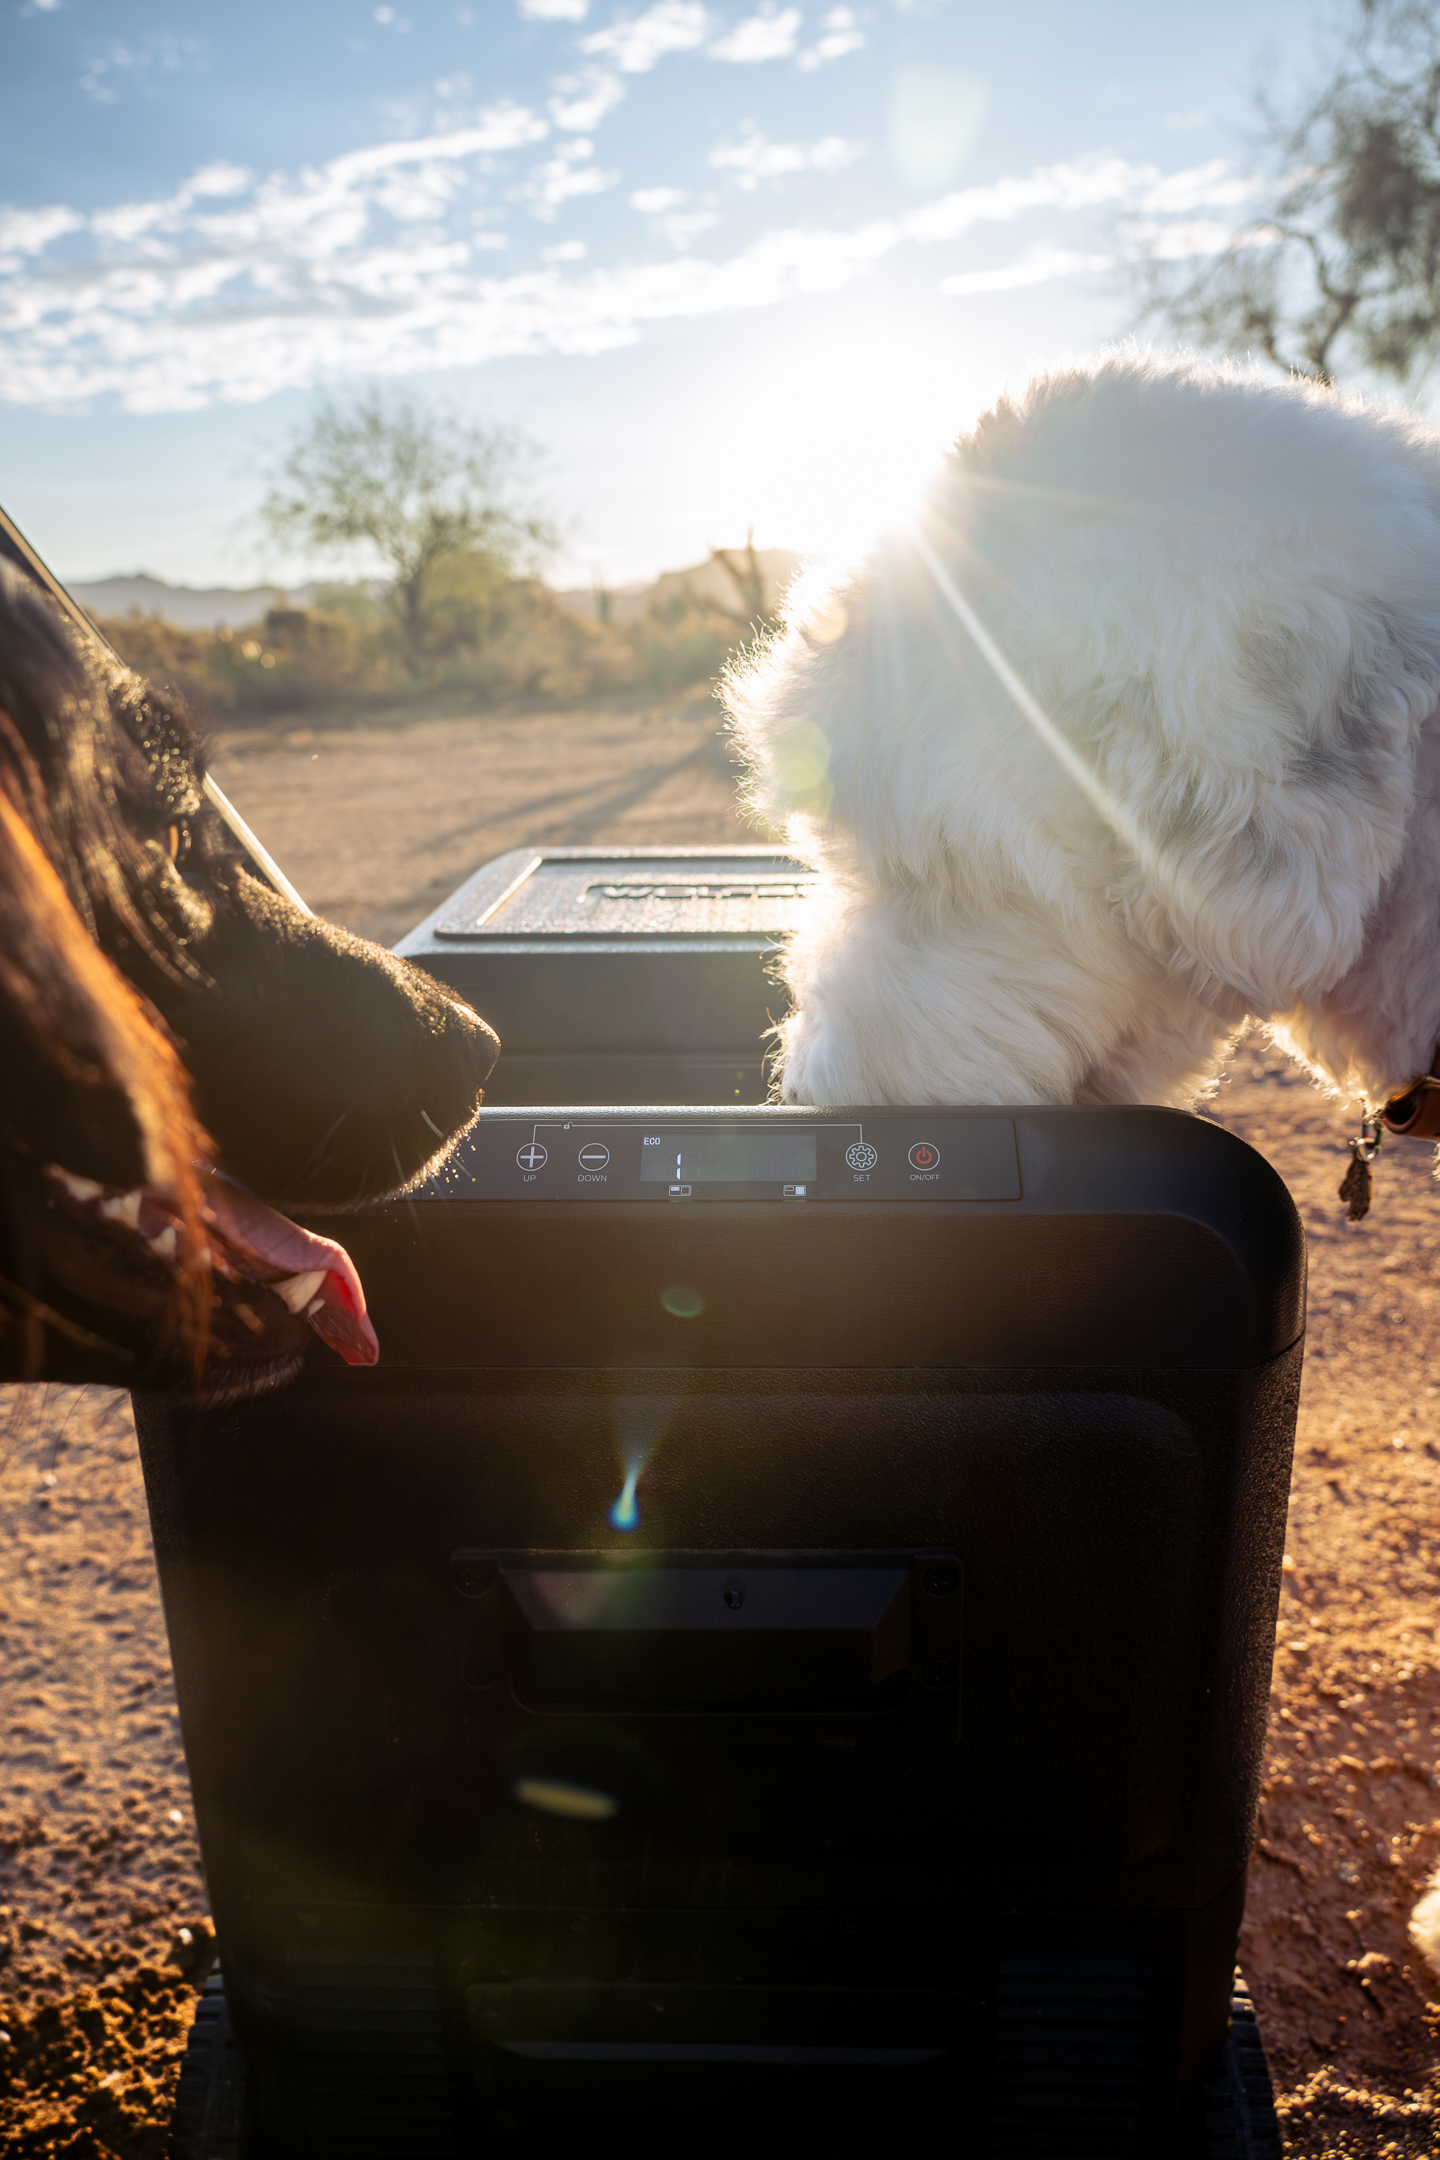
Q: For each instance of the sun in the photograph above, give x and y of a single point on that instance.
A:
(830, 439)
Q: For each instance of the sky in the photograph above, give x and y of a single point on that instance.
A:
(729, 266)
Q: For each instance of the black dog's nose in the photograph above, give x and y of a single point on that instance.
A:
(484, 1040)
(472, 1048)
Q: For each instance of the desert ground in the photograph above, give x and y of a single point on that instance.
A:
(104, 1935)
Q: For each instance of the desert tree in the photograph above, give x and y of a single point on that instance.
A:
(417, 491)
(1337, 269)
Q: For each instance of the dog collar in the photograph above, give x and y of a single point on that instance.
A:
(1415, 1114)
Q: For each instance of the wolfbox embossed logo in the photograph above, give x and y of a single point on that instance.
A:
(710, 889)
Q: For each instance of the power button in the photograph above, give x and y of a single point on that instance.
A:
(924, 1155)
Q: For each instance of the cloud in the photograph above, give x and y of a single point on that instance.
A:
(842, 35)
(1187, 237)
(581, 102)
(29, 232)
(662, 205)
(1083, 184)
(565, 251)
(555, 10)
(635, 43)
(1209, 186)
(1036, 267)
(235, 287)
(221, 178)
(497, 127)
(755, 158)
(162, 53)
(685, 226)
(770, 35)
(128, 221)
(561, 178)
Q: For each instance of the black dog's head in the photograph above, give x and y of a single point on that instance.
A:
(325, 1071)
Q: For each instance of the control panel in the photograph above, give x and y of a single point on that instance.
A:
(677, 1157)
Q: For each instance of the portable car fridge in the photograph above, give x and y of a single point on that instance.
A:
(776, 1655)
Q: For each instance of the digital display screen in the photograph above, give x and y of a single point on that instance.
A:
(715, 1156)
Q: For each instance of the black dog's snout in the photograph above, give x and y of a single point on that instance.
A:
(329, 1071)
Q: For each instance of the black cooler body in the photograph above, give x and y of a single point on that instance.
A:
(778, 1651)
(621, 975)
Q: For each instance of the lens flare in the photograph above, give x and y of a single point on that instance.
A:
(1158, 864)
(802, 767)
(935, 116)
(641, 1422)
(557, 1796)
(625, 1512)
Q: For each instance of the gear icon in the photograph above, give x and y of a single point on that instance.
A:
(861, 1156)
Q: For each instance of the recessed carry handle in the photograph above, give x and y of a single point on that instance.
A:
(741, 1631)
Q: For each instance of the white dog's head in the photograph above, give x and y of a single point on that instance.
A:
(1132, 735)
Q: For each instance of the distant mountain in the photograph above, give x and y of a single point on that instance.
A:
(209, 607)
(192, 607)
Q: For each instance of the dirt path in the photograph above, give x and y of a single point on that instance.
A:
(375, 824)
(98, 1867)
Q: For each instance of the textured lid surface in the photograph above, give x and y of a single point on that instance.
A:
(683, 894)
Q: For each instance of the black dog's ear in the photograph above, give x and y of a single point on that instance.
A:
(329, 1070)
(70, 1030)
(161, 753)
(104, 765)
(92, 1091)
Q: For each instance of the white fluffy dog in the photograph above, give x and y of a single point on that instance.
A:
(1133, 734)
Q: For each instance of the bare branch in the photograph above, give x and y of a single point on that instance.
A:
(1340, 264)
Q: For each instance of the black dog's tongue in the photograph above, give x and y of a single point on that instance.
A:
(249, 1242)
(313, 1275)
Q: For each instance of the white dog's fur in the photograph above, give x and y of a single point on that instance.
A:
(1226, 596)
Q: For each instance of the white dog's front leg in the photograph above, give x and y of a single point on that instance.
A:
(892, 1008)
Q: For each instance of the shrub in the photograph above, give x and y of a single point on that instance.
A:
(292, 658)
(498, 637)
